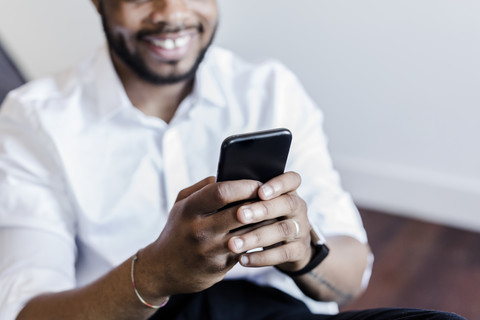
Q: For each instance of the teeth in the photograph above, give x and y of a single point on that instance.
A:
(181, 42)
(170, 44)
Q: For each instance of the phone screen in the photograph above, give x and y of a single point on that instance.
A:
(258, 156)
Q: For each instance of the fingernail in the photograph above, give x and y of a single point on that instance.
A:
(244, 260)
(247, 214)
(238, 242)
(267, 190)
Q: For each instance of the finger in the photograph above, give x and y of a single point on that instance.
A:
(224, 220)
(245, 228)
(266, 236)
(284, 205)
(281, 184)
(215, 196)
(192, 189)
(288, 252)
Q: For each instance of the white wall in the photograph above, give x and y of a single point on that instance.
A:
(398, 81)
(48, 35)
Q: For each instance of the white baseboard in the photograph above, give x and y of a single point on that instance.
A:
(421, 194)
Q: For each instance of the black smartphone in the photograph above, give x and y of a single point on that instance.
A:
(258, 155)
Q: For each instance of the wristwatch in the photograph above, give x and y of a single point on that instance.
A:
(320, 253)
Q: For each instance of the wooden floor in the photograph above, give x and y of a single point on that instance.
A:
(421, 265)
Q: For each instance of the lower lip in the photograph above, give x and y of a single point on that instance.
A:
(170, 54)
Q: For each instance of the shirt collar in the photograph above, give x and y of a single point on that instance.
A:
(208, 83)
(109, 91)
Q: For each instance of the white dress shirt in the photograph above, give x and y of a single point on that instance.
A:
(86, 179)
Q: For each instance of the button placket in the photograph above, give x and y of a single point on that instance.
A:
(175, 166)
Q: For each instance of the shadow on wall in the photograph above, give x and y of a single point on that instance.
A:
(10, 76)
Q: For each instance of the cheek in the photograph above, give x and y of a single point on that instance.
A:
(129, 19)
(206, 9)
(125, 24)
(122, 35)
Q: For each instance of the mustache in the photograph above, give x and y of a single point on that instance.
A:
(169, 28)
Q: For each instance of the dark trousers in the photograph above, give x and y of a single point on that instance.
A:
(242, 300)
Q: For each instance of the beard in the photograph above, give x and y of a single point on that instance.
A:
(136, 63)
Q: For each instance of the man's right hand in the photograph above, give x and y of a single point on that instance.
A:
(191, 254)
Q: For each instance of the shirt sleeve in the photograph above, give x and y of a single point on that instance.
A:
(330, 208)
(37, 246)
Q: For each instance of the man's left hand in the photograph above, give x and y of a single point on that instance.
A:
(286, 241)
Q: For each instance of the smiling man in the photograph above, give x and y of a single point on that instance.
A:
(159, 45)
(108, 207)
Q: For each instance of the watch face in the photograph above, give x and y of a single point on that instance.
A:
(316, 237)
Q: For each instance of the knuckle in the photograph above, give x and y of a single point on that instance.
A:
(287, 253)
(184, 206)
(254, 187)
(302, 204)
(263, 209)
(257, 238)
(222, 192)
(286, 228)
(182, 194)
(292, 201)
(217, 265)
(258, 259)
(199, 235)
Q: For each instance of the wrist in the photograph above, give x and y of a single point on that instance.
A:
(145, 279)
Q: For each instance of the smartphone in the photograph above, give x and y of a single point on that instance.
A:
(258, 155)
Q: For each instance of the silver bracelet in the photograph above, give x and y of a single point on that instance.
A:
(136, 291)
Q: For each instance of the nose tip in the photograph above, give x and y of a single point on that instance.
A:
(172, 11)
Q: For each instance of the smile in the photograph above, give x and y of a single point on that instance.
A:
(171, 44)
(171, 47)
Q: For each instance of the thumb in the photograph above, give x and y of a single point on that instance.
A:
(192, 189)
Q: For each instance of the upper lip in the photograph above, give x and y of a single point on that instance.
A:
(172, 36)
(168, 34)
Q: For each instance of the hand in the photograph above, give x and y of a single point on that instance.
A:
(286, 242)
(191, 253)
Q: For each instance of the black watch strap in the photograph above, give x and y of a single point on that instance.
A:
(320, 253)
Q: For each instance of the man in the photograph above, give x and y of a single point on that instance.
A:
(103, 217)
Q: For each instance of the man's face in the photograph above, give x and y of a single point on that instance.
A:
(162, 41)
